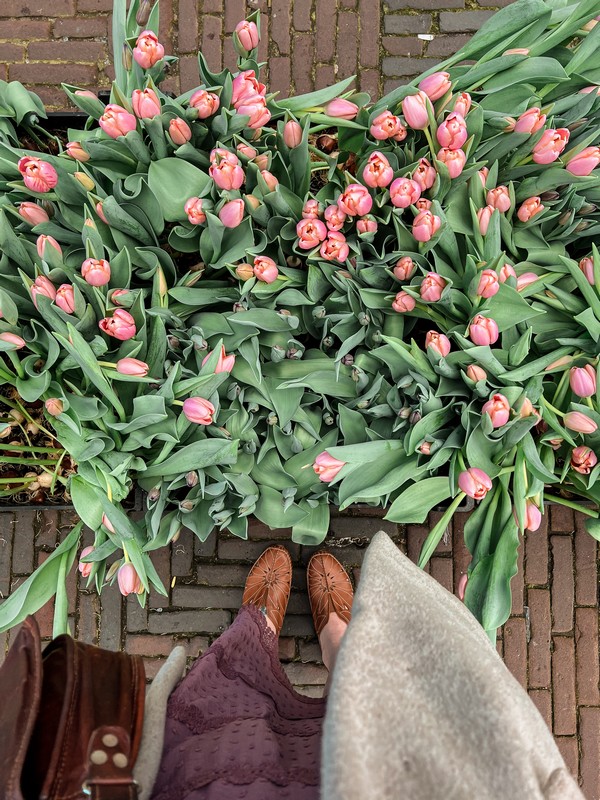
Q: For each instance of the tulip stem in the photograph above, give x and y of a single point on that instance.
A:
(561, 385)
(436, 533)
(16, 363)
(570, 504)
(429, 138)
(506, 471)
(588, 402)
(551, 407)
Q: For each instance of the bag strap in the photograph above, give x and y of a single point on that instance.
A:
(109, 774)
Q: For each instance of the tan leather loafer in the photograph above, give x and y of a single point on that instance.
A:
(268, 584)
(329, 590)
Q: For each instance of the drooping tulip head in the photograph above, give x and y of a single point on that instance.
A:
(327, 467)
(583, 459)
(38, 175)
(583, 380)
(475, 483)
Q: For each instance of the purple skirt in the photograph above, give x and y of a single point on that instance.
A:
(236, 729)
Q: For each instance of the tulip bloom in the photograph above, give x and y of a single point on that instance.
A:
(583, 459)
(424, 175)
(32, 213)
(244, 271)
(489, 283)
(44, 241)
(498, 409)
(533, 516)
(404, 192)
(403, 303)
(484, 215)
(387, 126)
(246, 150)
(76, 151)
(584, 162)
(179, 131)
(85, 567)
(96, 271)
(128, 579)
(499, 198)
(432, 287)
(529, 208)
(404, 269)
(551, 145)
(132, 366)
(483, 175)
(436, 85)
(148, 50)
(256, 109)
(530, 121)
(579, 422)
(246, 87)
(265, 269)
(483, 330)
(38, 175)
(65, 298)
(12, 338)
(205, 103)
(232, 213)
(247, 33)
(120, 326)
(292, 134)
(366, 225)
(583, 380)
(425, 226)
(334, 248)
(377, 172)
(334, 218)
(438, 342)
(586, 265)
(355, 201)
(311, 232)
(193, 209)
(312, 209)
(199, 410)
(342, 109)
(415, 109)
(225, 363)
(476, 373)
(327, 467)
(452, 133)
(42, 286)
(269, 179)
(506, 272)
(146, 104)
(225, 174)
(54, 406)
(462, 104)
(423, 204)
(475, 483)
(454, 160)
(526, 279)
(116, 121)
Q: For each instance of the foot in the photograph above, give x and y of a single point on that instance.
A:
(268, 585)
(330, 639)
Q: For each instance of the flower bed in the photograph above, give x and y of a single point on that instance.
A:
(252, 305)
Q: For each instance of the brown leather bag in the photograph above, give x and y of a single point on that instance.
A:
(70, 720)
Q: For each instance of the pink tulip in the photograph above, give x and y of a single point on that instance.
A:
(38, 175)
(311, 232)
(583, 380)
(404, 192)
(529, 208)
(484, 215)
(530, 121)
(247, 151)
(506, 272)
(225, 363)
(247, 33)
(262, 161)
(334, 218)
(44, 241)
(482, 174)
(366, 225)
(454, 160)
(54, 406)
(579, 422)
(256, 110)
(462, 104)
(312, 209)
(246, 87)
(32, 213)
(219, 154)
(424, 175)
(499, 198)
(76, 151)
(65, 298)
(199, 410)
(589, 90)
(404, 269)
(96, 271)
(551, 145)
(516, 51)
(586, 265)
(526, 279)
(423, 204)
(436, 85)
(415, 109)
(475, 483)
(403, 303)
(462, 587)
(132, 366)
(483, 330)
(387, 126)
(85, 567)
(193, 209)
(432, 287)
(120, 326)
(108, 524)
(269, 179)
(100, 212)
(232, 213)
(377, 172)
(488, 284)
(205, 103)
(476, 373)
(12, 338)
(292, 134)
(342, 109)
(116, 121)
(438, 342)
(327, 467)
(226, 175)
(127, 577)
(334, 248)
(425, 226)
(527, 409)
(560, 362)
(146, 104)
(583, 459)
(533, 516)
(452, 133)
(42, 286)
(265, 269)
(179, 131)
(355, 201)
(498, 410)
(148, 50)
(584, 162)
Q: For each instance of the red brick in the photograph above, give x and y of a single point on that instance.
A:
(87, 627)
(415, 537)
(194, 646)
(444, 46)
(441, 570)
(264, 43)
(369, 12)
(188, 72)
(348, 3)
(563, 587)
(11, 52)
(563, 686)
(568, 750)
(536, 555)
(71, 585)
(311, 652)
(561, 519)
(182, 554)
(53, 98)
(212, 7)
(152, 667)
(145, 645)
(111, 616)
(302, 61)
(281, 24)
(516, 584)
(93, 6)
(287, 648)
(213, 621)
(207, 597)
(302, 20)
(515, 649)
(325, 30)
(539, 643)
(40, 73)
(347, 57)
(586, 648)
(38, 8)
(235, 10)
(259, 531)
(25, 29)
(162, 563)
(324, 76)
(590, 752)
(369, 82)
(296, 625)
(403, 45)
(46, 523)
(222, 575)
(7, 535)
(79, 28)
(586, 566)
(80, 52)
(306, 674)
(242, 550)
(137, 617)
(543, 703)
(212, 30)
(461, 556)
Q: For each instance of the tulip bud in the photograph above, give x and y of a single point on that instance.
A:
(225, 363)
(462, 587)
(475, 483)
(498, 410)
(432, 287)
(244, 271)
(232, 213)
(148, 50)
(120, 326)
(483, 330)
(579, 422)
(425, 226)
(438, 342)
(199, 410)
(117, 121)
(366, 225)
(499, 198)
(96, 271)
(265, 269)
(245, 38)
(42, 286)
(205, 103)
(132, 366)
(533, 516)
(44, 241)
(128, 580)
(54, 406)
(484, 215)
(436, 85)
(404, 269)
(327, 467)
(12, 338)
(584, 162)
(270, 180)
(530, 121)
(476, 373)
(85, 180)
(143, 13)
(529, 208)
(586, 265)
(583, 459)
(38, 175)
(76, 151)
(583, 380)
(415, 108)
(489, 283)
(525, 280)
(403, 303)
(343, 109)
(292, 134)
(507, 271)
(85, 567)
(33, 214)
(179, 131)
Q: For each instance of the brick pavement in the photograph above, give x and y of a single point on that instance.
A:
(550, 642)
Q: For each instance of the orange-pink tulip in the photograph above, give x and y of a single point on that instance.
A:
(489, 283)
(475, 483)
(404, 192)
(65, 298)
(76, 151)
(584, 162)
(404, 268)
(148, 50)
(583, 459)
(179, 131)
(530, 121)
(146, 104)
(311, 232)
(583, 380)
(403, 302)
(341, 108)
(265, 269)
(225, 363)
(436, 85)
(327, 467)
(247, 34)
(85, 567)
(117, 121)
(42, 286)
(335, 248)
(483, 330)
(355, 200)
(498, 410)
(43, 241)
(499, 198)
(454, 160)
(425, 226)
(529, 208)
(432, 287)
(54, 406)
(193, 209)
(120, 326)
(38, 175)
(377, 172)
(128, 580)
(551, 145)
(232, 213)
(415, 108)
(32, 213)
(205, 103)
(292, 134)
(452, 133)
(586, 265)
(334, 218)
(387, 126)
(96, 271)
(438, 342)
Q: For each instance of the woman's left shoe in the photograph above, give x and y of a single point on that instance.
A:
(269, 583)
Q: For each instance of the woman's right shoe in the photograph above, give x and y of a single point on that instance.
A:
(329, 590)
(269, 583)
